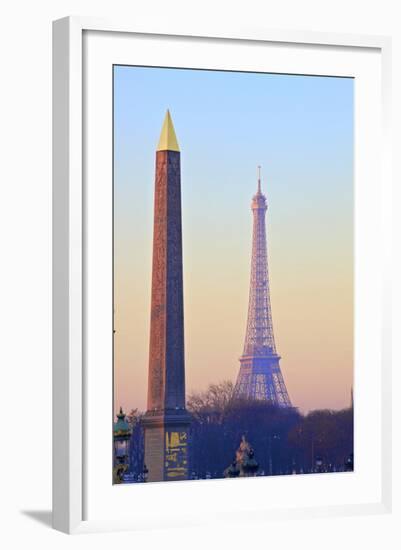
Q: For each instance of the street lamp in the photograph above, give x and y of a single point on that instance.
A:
(271, 438)
(349, 463)
(319, 465)
(121, 436)
(145, 473)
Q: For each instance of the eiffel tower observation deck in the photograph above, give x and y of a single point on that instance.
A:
(260, 375)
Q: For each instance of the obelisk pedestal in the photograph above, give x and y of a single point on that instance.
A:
(166, 421)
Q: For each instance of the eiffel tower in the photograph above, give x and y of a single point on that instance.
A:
(260, 375)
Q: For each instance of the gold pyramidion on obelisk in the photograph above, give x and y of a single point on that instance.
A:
(168, 139)
(166, 421)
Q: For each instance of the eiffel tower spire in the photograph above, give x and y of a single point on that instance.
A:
(260, 375)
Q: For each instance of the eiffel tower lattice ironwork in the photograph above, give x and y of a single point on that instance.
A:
(260, 375)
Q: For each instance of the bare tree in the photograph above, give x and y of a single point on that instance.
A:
(213, 403)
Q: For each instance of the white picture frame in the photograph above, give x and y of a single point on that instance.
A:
(70, 286)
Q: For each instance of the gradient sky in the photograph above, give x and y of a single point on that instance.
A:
(300, 130)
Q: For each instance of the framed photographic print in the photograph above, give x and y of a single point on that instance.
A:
(220, 261)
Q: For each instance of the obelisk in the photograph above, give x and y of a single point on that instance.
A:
(166, 421)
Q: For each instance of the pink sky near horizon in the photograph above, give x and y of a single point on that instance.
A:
(312, 315)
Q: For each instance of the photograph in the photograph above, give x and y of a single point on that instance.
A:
(233, 274)
(200, 228)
